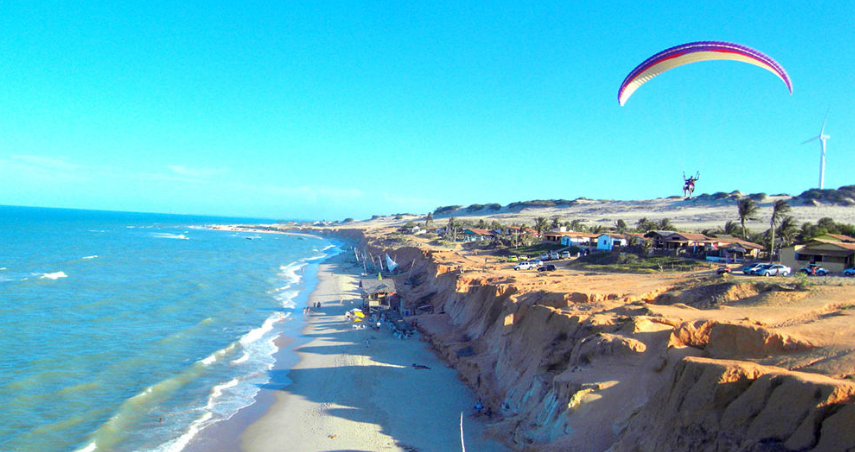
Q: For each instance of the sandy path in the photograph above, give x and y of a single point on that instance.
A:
(346, 396)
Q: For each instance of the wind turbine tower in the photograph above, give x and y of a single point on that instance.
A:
(821, 137)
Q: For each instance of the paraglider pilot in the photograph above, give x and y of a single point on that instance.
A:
(689, 184)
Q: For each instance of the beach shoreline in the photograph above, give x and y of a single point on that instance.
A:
(352, 389)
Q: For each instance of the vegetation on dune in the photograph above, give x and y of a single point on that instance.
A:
(844, 196)
(446, 209)
(492, 207)
(633, 263)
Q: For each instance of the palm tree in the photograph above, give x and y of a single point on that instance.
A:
(731, 228)
(779, 209)
(540, 224)
(666, 225)
(644, 225)
(746, 209)
(451, 230)
(556, 222)
(788, 230)
(428, 220)
(620, 225)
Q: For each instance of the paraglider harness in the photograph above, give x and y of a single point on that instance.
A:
(689, 184)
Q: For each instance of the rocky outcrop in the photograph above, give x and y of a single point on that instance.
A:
(721, 405)
(728, 340)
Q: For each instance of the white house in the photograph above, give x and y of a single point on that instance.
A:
(610, 241)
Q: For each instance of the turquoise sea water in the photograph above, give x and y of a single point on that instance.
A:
(132, 332)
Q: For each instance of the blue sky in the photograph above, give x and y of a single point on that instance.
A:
(347, 109)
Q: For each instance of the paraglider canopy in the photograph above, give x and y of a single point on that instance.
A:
(691, 53)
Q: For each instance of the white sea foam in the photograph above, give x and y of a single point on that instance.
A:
(167, 235)
(244, 358)
(289, 272)
(228, 398)
(91, 447)
(90, 257)
(54, 275)
(217, 391)
(286, 298)
(257, 349)
(178, 444)
(257, 333)
(213, 357)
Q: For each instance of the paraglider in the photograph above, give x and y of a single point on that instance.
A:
(689, 184)
(691, 53)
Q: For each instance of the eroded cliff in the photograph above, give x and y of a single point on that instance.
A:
(577, 361)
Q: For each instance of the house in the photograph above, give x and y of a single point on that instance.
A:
(611, 241)
(377, 292)
(732, 249)
(475, 234)
(658, 238)
(685, 242)
(511, 230)
(834, 255)
(580, 239)
(553, 236)
(641, 238)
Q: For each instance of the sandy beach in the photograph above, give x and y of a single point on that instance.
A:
(357, 390)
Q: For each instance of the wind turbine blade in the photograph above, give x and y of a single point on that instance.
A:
(812, 139)
(822, 131)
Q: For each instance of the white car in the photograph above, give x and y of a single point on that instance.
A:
(554, 256)
(565, 255)
(527, 265)
(544, 257)
(774, 270)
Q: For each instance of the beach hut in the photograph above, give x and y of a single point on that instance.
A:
(377, 292)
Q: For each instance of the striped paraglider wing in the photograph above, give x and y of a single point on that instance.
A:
(691, 53)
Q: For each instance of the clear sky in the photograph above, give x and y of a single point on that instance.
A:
(346, 109)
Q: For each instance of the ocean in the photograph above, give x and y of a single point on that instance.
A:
(132, 331)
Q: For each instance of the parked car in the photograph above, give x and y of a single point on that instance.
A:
(565, 255)
(814, 270)
(749, 269)
(527, 265)
(849, 272)
(544, 257)
(774, 270)
(554, 256)
(547, 268)
(756, 270)
(513, 259)
(722, 269)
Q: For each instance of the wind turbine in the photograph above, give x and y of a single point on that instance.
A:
(821, 137)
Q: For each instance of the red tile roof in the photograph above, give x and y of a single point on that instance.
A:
(744, 243)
